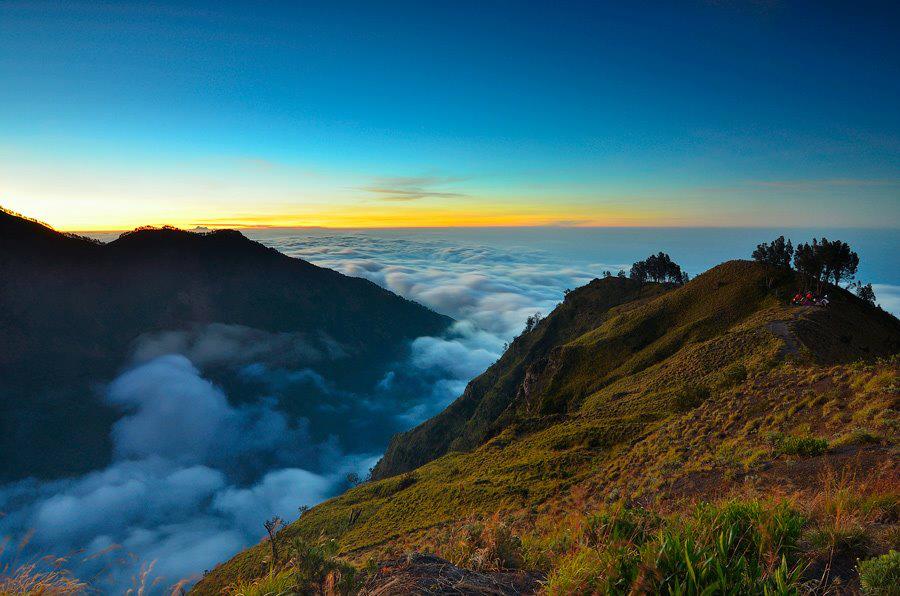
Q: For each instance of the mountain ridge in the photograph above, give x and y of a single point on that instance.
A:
(678, 393)
(71, 310)
(545, 376)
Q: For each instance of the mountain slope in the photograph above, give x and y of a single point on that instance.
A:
(71, 310)
(642, 393)
(489, 400)
(587, 353)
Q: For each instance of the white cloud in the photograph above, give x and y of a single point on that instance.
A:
(173, 412)
(888, 296)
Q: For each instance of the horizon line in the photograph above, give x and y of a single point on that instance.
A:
(484, 227)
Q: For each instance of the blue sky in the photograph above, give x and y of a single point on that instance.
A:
(456, 113)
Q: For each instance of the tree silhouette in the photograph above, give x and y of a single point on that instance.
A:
(659, 268)
(866, 293)
(826, 260)
(774, 256)
(839, 261)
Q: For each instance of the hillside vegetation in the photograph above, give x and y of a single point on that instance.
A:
(643, 438)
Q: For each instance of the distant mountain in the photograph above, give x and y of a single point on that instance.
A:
(577, 456)
(71, 310)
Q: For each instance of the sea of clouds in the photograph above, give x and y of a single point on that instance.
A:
(200, 464)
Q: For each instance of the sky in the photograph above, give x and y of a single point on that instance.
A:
(408, 114)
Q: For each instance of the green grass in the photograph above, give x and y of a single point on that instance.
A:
(803, 446)
(881, 575)
(857, 436)
(734, 548)
(271, 584)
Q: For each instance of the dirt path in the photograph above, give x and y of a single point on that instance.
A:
(783, 332)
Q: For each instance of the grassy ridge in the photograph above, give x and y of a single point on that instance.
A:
(706, 392)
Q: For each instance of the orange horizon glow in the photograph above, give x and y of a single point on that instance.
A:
(86, 218)
(387, 222)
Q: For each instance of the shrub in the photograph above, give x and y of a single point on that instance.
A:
(799, 445)
(406, 481)
(313, 561)
(881, 575)
(691, 396)
(733, 374)
(311, 566)
(488, 546)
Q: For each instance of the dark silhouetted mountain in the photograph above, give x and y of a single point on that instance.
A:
(71, 309)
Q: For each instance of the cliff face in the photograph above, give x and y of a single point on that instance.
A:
(70, 310)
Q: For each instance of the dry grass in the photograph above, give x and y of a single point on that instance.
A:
(29, 579)
(46, 575)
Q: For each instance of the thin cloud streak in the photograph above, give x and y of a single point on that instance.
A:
(412, 188)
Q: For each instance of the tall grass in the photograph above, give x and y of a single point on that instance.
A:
(734, 548)
(46, 575)
(30, 580)
(312, 566)
(279, 582)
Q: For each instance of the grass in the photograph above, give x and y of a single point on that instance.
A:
(47, 575)
(525, 470)
(487, 545)
(271, 584)
(881, 575)
(31, 580)
(311, 566)
(857, 436)
(734, 547)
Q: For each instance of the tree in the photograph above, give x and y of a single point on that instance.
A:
(659, 268)
(621, 273)
(839, 261)
(272, 526)
(866, 293)
(607, 274)
(532, 322)
(774, 256)
(826, 260)
(353, 479)
(808, 260)
(639, 271)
